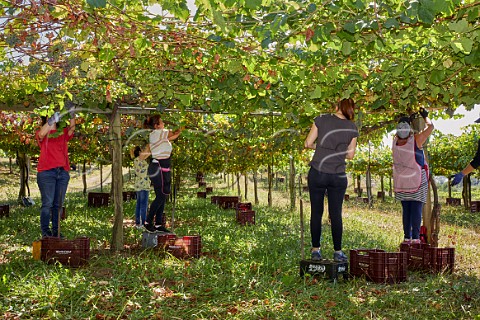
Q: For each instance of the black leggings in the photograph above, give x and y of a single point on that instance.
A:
(335, 185)
(161, 177)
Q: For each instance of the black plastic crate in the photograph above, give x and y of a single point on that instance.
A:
(327, 269)
(5, 210)
(98, 199)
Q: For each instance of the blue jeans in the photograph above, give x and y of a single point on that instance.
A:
(335, 185)
(53, 185)
(412, 219)
(141, 208)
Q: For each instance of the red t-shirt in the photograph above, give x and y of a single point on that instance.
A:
(53, 151)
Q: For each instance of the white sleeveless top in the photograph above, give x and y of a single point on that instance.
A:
(407, 173)
(160, 146)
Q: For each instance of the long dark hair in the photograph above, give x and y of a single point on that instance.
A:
(151, 121)
(347, 107)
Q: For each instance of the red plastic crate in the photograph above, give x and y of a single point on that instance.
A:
(165, 239)
(246, 217)
(5, 210)
(454, 201)
(360, 261)
(209, 190)
(439, 259)
(68, 252)
(201, 194)
(415, 254)
(214, 199)
(387, 267)
(475, 206)
(202, 184)
(129, 195)
(186, 247)
(229, 202)
(98, 199)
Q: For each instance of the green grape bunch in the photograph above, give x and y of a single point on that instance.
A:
(54, 78)
(34, 69)
(13, 40)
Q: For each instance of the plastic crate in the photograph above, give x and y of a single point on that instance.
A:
(415, 254)
(327, 269)
(202, 184)
(360, 261)
(98, 199)
(129, 195)
(165, 239)
(387, 267)
(5, 210)
(68, 252)
(454, 201)
(475, 206)
(246, 217)
(209, 190)
(439, 259)
(346, 197)
(186, 247)
(214, 199)
(229, 202)
(201, 194)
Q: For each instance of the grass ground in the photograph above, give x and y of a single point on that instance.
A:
(245, 272)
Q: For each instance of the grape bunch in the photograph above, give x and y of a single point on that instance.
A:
(55, 51)
(12, 40)
(34, 69)
(54, 78)
(72, 63)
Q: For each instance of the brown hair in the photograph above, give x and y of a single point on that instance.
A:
(151, 121)
(347, 107)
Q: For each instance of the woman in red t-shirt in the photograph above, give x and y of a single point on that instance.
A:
(53, 170)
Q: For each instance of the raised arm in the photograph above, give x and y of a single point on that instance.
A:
(422, 136)
(172, 135)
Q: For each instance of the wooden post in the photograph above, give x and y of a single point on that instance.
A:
(269, 172)
(291, 182)
(84, 177)
(246, 185)
(117, 180)
(302, 232)
(255, 186)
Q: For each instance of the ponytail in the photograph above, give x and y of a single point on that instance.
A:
(347, 107)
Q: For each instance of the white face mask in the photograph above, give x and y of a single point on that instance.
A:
(403, 130)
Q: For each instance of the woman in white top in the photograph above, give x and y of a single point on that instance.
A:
(159, 170)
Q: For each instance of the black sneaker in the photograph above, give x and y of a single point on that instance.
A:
(150, 228)
(162, 229)
(340, 257)
(316, 255)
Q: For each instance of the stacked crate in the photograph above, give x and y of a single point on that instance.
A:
(244, 213)
(423, 257)
(379, 266)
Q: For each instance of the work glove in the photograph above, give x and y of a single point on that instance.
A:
(423, 112)
(457, 178)
(54, 119)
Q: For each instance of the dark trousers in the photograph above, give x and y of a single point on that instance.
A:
(335, 185)
(161, 179)
(53, 185)
(412, 219)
